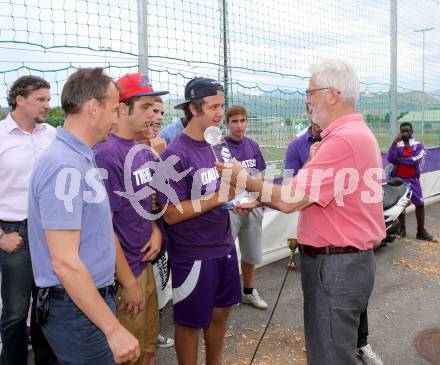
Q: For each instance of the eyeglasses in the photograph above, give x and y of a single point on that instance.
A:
(309, 93)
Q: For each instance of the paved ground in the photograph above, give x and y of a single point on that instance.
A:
(406, 300)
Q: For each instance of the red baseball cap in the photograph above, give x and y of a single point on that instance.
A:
(136, 84)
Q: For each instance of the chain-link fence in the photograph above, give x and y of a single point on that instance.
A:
(259, 49)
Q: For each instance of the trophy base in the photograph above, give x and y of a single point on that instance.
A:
(292, 266)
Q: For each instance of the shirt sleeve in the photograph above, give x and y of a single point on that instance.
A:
(59, 194)
(326, 176)
(392, 155)
(114, 180)
(417, 157)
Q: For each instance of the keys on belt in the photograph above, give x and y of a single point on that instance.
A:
(329, 250)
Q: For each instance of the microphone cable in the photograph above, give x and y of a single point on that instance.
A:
(273, 311)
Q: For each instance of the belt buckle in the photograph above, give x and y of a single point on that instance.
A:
(106, 290)
(103, 291)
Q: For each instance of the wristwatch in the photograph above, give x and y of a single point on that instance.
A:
(2, 234)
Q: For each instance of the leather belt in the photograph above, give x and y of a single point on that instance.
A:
(328, 250)
(60, 293)
(16, 224)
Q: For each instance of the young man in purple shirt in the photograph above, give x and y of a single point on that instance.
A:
(151, 138)
(205, 277)
(298, 150)
(247, 227)
(129, 168)
(407, 154)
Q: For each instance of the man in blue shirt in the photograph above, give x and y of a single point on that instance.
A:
(71, 234)
(172, 130)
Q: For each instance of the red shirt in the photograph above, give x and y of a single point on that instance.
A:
(406, 171)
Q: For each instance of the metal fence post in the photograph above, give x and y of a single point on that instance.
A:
(393, 68)
(142, 36)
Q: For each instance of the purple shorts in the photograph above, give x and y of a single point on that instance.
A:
(201, 285)
(416, 188)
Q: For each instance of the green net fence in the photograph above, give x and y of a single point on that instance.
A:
(260, 49)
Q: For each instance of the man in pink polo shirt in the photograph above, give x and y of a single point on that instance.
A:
(339, 194)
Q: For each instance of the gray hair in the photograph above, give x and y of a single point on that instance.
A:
(339, 75)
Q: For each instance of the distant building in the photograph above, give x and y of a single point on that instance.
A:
(431, 120)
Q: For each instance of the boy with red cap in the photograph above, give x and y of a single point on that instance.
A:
(138, 237)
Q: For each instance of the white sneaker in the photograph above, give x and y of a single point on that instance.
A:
(368, 356)
(255, 300)
(164, 342)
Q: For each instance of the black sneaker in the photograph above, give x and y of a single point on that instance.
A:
(425, 236)
(402, 232)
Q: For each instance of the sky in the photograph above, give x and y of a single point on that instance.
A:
(271, 42)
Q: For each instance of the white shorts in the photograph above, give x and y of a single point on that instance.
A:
(248, 229)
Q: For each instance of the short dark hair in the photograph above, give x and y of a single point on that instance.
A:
(83, 85)
(130, 103)
(235, 110)
(406, 124)
(198, 103)
(23, 86)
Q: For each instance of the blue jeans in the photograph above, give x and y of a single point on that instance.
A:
(73, 337)
(17, 286)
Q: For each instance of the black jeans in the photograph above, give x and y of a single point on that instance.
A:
(17, 287)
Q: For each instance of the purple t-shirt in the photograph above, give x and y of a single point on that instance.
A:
(248, 152)
(297, 153)
(207, 236)
(131, 227)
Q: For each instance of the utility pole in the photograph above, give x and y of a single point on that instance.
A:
(142, 36)
(225, 36)
(423, 31)
(393, 69)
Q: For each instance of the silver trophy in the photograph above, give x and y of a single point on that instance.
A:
(213, 136)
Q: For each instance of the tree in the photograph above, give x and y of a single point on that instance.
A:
(288, 121)
(55, 117)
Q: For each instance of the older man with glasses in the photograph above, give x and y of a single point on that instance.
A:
(339, 194)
